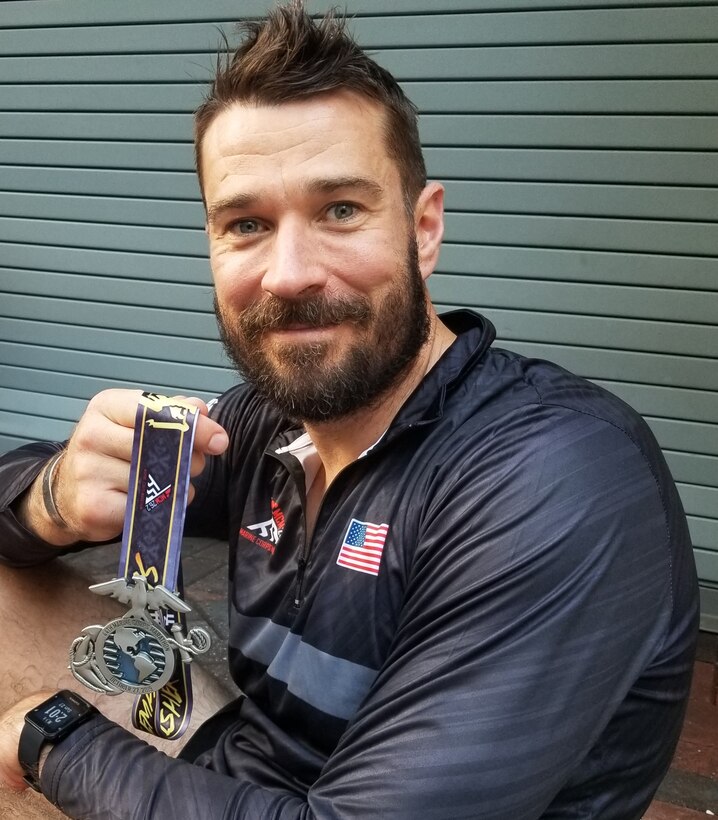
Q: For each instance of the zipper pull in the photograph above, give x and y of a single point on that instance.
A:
(301, 564)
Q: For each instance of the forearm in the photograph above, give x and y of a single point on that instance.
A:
(131, 780)
(27, 533)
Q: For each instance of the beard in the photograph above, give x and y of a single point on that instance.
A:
(307, 382)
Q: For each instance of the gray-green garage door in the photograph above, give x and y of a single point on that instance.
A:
(578, 142)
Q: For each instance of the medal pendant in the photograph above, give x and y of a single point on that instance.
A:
(134, 653)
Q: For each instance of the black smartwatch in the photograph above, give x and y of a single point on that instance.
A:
(48, 724)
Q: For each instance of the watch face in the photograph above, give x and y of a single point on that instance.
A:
(54, 716)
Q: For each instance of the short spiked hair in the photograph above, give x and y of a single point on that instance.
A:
(287, 56)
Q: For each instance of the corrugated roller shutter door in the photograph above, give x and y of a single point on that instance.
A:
(579, 147)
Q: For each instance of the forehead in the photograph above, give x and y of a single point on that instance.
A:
(340, 134)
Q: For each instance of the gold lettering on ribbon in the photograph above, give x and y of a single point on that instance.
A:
(170, 702)
(156, 402)
(182, 426)
(144, 711)
(150, 571)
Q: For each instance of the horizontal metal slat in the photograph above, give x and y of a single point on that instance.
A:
(84, 387)
(105, 236)
(508, 130)
(576, 61)
(576, 199)
(607, 333)
(668, 402)
(145, 293)
(611, 301)
(96, 182)
(120, 262)
(132, 127)
(688, 467)
(704, 532)
(567, 131)
(576, 25)
(8, 443)
(41, 404)
(116, 210)
(34, 427)
(620, 365)
(112, 369)
(195, 324)
(701, 501)
(707, 563)
(616, 96)
(566, 165)
(123, 342)
(571, 265)
(80, 153)
(643, 236)
(115, 53)
(85, 12)
(686, 436)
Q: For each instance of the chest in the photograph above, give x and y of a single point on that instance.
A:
(330, 566)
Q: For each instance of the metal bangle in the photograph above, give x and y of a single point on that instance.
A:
(48, 500)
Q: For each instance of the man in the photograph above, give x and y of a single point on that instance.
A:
(521, 643)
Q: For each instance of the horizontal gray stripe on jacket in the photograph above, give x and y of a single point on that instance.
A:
(334, 685)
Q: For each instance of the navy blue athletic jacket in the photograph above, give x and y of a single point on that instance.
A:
(495, 616)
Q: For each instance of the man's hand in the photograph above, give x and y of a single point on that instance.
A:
(91, 480)
(11, 724)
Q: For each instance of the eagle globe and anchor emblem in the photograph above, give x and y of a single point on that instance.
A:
(134, 653)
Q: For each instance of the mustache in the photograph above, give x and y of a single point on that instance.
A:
(277, 313)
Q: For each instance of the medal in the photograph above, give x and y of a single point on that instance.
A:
(147, 651)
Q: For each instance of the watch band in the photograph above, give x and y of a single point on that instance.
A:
(47, 724)
(31, 743)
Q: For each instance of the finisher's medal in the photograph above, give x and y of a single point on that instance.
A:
(148, 651)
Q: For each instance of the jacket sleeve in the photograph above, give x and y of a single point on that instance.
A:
(18, 469)
(539, 590)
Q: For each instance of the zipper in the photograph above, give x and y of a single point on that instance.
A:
(303, 560)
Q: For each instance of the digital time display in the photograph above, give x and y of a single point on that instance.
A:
(64, 709)
(57, 714)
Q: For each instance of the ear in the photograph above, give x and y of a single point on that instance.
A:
(429, 226)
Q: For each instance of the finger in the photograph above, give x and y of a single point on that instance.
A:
(210, 438)
(118, 405)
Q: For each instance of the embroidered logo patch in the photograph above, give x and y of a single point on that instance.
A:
(266, 534)
(363, 546)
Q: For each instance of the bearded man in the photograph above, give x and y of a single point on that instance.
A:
(477, 595)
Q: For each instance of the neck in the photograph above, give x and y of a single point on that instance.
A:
(342, 441)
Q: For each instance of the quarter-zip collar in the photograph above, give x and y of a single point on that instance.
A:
(474, 335)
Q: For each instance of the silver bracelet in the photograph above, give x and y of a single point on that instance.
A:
(48, 500)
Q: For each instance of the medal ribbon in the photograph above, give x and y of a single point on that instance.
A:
(152, 539)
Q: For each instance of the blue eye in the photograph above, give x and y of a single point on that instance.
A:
(343, 210)
(247, 226)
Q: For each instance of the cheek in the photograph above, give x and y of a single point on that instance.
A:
(234, 284)
(366, 264)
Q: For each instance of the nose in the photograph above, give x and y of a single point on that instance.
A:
(294, 267)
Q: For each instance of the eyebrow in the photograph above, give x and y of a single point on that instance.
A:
(235, 202)
(331, 184)
(326, 185)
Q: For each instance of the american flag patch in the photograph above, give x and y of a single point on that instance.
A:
(362, 546)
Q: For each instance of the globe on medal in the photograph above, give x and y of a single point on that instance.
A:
(135, 655)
